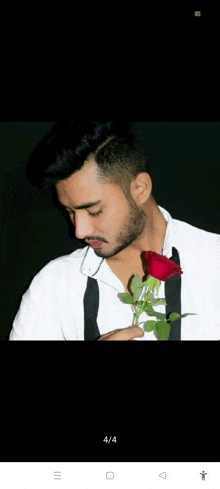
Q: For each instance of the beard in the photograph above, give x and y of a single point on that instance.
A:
(132, 228)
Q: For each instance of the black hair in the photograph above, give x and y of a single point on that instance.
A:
(117, 148)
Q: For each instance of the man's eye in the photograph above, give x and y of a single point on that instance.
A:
(96, 214)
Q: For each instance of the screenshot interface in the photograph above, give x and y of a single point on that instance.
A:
(110, 475)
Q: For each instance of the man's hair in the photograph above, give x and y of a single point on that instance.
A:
(117, 148)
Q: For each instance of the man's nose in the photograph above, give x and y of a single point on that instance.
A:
(83, 227)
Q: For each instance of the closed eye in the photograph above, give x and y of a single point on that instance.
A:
(90, 213)
(96, 214)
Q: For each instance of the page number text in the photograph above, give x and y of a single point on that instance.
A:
(110, 439)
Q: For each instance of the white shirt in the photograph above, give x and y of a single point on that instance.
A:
(52, 307)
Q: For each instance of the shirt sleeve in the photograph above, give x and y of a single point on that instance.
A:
(39, 316)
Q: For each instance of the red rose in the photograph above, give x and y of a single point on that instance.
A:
(161, 267)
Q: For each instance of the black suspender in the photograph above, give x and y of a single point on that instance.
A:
(173, 298)
(91, 307)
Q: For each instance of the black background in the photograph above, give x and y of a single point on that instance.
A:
(185, 160)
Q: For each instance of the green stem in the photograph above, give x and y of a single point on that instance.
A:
(142, 307)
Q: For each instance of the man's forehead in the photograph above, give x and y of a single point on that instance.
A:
(80, 182)
(82, 189)
(84, 205)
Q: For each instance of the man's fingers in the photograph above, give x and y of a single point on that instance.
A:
(108, 334)
(130, 333)
(123, 334)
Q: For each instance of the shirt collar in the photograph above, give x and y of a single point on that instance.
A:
(92, 263)
(169, 240)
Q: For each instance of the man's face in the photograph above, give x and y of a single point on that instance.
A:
(119, 222)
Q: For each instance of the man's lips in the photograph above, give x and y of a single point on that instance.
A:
(96, 244)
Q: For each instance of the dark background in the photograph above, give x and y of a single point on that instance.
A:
(185, 160)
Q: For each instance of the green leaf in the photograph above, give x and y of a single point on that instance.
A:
(174, 316)
(148, 281)
(126, 298)
(159, 302)
(163, 330)
(160, 315)
(136, 287)
(150, 326)
(150, 296)
(136, 283)
(152, 283)
(189, 314)
(137, 294)
(157, 285)
(149, 309)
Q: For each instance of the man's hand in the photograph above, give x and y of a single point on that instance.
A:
(126, 334)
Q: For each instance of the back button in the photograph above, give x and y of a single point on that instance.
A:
(163, 475)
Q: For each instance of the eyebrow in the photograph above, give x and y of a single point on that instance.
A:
(84, 206)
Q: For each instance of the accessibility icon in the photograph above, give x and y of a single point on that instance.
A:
(203, 474)
(163, 475)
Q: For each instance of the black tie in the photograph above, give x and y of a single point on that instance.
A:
(91, 307)
(173, 298)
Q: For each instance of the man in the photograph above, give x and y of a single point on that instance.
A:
(101, 177)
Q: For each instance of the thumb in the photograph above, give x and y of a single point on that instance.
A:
(136, 332)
